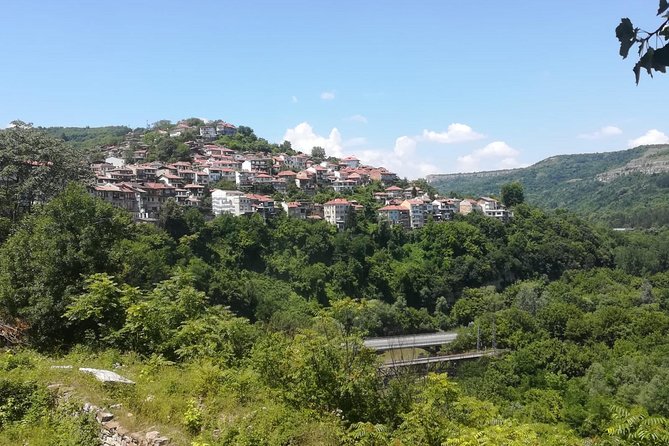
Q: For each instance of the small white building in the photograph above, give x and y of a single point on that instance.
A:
(417, 212)
(230, 202)
(115, 161)
(208, 132)
(336, 212)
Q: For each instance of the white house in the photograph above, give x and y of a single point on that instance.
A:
(115, 161)
(417, 212)
(230, 202)
(336, 212)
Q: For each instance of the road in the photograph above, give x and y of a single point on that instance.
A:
(418, 340)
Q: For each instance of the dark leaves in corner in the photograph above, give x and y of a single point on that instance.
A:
(626, 35)
(664, 4)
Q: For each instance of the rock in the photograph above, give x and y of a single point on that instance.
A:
(111, 425)
(150, 436)
(106, 376)
(64, 367)
(103, 417)
(161, 441)
(116, 406)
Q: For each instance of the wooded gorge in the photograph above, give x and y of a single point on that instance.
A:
(249, 332)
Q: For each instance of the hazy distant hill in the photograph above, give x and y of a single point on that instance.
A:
(89, 137)
(624, 188)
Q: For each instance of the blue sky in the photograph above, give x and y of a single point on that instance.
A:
(421, 87)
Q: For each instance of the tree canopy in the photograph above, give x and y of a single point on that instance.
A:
(34, 167)
(512, 194)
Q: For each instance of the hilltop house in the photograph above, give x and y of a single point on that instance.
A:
(230, 202)
(336, 212)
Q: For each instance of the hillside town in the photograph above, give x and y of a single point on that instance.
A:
(221, 180)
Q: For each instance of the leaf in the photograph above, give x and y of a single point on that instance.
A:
(665, 33)
(646, 62)
(661, 59)
(637, 71)
(664, 4)
(626, 35)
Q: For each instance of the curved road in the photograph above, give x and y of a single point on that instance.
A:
(410, 341)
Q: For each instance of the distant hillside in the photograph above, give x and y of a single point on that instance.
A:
(89, 137)
(628, 188)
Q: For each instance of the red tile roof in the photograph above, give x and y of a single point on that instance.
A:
(287, 173)
(337, 201)
(393, 208)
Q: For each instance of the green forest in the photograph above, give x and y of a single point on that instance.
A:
(241, 331)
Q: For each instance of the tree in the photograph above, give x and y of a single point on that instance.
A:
(318, 153)
(163, 124)
(512, 194)
(35, 167)
(98, 312)
(655, 58)
(44, 263)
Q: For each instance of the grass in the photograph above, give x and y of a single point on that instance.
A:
(185, 402)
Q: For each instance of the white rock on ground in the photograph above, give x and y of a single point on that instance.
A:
(106, 376)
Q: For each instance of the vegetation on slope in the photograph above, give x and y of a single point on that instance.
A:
(570, 182)
(89, 137)
(246, 332)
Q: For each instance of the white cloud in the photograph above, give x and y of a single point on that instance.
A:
(358, 118)
(454, 134)
(302, 137)
(294, 100)
(404, 146)
(427, 169)
(496, 149)
(653, 136)
(609, 130)
(401, 160)
(328, 95)
(496, 155)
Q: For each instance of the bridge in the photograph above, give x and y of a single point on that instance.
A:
(410, 341)
(440, 359)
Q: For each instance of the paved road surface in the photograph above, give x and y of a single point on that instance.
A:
(419, 340)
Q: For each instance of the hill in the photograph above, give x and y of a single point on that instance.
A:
(627, 188)
(89, 137)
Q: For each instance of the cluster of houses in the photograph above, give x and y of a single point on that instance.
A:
(143, 188)
(409, 208)
(404, 209)
(208, 131)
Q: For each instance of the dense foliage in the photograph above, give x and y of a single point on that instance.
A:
(249, 332)
(33, 169)
(89, 137)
